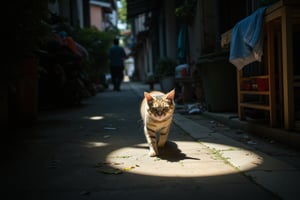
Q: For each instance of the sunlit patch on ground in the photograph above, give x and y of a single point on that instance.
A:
(95, 144)
(95, 117)
(174, 161)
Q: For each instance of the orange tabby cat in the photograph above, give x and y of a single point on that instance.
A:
(157, 110)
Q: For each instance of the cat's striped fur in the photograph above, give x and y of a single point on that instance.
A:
(157, 110)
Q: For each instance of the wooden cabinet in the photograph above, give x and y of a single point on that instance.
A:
(257, 88)
(255, 94)
(284, 16)
(281, 100)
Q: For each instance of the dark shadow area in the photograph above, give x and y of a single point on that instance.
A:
(172, 153)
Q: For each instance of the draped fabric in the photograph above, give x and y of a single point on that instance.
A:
(247, 40)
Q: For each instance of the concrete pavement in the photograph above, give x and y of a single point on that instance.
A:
(98, 151)
(280, 175)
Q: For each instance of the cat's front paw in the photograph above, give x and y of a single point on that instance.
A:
(152, 153)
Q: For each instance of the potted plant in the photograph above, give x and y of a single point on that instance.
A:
(186, 11)
(97, 44)
(165, 73)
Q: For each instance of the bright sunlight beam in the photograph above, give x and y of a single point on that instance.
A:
(173, 162)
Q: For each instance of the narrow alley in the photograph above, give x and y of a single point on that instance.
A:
(98, 151)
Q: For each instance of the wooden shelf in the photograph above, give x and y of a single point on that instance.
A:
(252, 92)
(266, 72)
(244, 94)
(255, 106)
(253, 77)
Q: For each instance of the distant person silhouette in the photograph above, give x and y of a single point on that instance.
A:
(117, 56)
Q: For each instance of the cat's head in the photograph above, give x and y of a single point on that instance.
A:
(160, 105)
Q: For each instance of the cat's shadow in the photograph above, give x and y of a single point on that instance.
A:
(172, 153)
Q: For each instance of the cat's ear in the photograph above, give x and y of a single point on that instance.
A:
(171, 94)
(148, 96)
